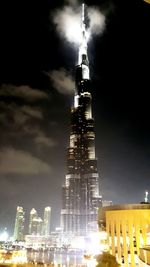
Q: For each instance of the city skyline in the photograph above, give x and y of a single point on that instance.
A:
(34, 115)
(35, 226)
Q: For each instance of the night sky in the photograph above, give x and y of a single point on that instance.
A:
(35, 112)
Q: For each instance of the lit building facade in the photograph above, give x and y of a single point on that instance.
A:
(128, 230)
(80, 193)
(46, 221)
(19, 224)
(106, 203)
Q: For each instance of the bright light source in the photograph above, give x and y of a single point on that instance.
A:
(78, 243)
(4, 236)
(19, 257)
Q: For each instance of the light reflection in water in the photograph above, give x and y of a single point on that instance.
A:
(58, 258)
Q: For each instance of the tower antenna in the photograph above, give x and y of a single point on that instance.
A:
(83, 41)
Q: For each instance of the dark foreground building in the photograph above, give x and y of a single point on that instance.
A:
(81, 199)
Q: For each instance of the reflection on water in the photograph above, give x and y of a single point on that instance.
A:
(62, 258)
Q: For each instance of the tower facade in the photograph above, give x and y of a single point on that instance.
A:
(19, 224)
(46, 221)
(80, 193)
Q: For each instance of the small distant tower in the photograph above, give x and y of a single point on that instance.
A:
(146, 197)
(19, 224)
(46, 221)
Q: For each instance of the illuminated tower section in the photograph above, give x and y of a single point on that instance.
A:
(19, 224)
(81, 197)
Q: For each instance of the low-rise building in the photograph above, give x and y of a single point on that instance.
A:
(128, 228)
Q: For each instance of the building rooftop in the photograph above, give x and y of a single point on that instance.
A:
(102, 211)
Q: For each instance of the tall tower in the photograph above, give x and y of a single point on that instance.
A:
(46, 221)
(81, 199)
(19, 224)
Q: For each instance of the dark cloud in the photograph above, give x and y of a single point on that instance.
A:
(43, 140)
(13, 161)
(18, 114)
(23, 91)
(62, 81)
(18, 117)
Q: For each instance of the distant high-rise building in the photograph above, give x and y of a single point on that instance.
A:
(19, 224)
(146, 197)
(33, 216)
(46, 221)
(106, 203)
(81, 198)
(37, 226)
(35, 223)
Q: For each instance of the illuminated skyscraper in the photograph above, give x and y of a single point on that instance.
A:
(81, 198)
(33, 216)
(46, 221)
(19, 224)
(35, 223)
(37, 226)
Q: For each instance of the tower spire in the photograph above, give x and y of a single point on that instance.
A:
(83, 58)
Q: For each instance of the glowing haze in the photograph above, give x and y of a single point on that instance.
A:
(68, 23)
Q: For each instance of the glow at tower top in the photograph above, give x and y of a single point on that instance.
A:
(70, 23)
(75, 31)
